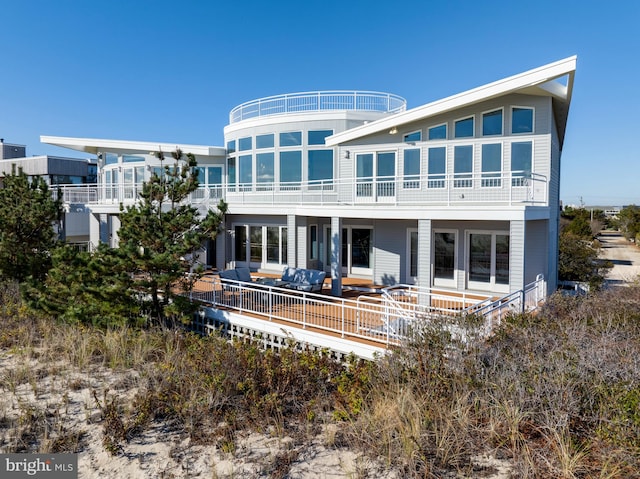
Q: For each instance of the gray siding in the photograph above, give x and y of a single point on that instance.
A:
(516, 255)
(390, 251)
(536, 256)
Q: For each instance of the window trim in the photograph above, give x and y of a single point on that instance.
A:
(456, 246)
(501, 110)
(405, 135)
(446, 131)
(533, 120)
(473, 132)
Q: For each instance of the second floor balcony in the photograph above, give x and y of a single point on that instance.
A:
(505, 189)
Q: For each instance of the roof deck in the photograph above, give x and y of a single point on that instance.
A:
(307, 102)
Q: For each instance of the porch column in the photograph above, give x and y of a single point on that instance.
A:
(424, 256)
(291, 240)
(115, 227)
(336, 256)
(302, 234)
(98, 231)
(516, 255)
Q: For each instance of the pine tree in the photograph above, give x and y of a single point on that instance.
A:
(29, 211)
(160, 234)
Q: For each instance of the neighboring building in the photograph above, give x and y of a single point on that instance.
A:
(9, 150)
(56, 170)
(461, 193)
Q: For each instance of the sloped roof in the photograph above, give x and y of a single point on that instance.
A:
(539, 81)
(95, 145)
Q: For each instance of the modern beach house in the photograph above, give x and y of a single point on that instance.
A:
(461, 193)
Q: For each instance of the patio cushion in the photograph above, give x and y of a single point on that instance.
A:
(229, 274)
(244, 274)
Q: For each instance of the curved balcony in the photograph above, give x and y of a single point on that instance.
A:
(318, 101)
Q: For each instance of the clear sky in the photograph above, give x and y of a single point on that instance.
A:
(170, 71)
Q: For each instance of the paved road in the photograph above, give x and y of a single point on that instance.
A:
(624, 255)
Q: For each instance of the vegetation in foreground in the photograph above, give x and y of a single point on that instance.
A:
(558, 394)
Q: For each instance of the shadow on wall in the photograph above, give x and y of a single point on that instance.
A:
(389, 280)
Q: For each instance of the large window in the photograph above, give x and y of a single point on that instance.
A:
(361, 248)
(231, 146)
(462, 166)
(264, 170)
(320, 166)
(110, 159)
(290, 169)
(412, 168)
(131, 158)
(276, 244)
(492, 123)
(261, 245)
(241, 243)
(437, 167)
(231, 173)
(255, 246)
(246, 172)
(245, 144)
(364, 175)
(264, 141)
(521, 120)
(488, 260)
(521, 157)
(491, 164)
(444, 257)
(413, 253)
(291, 138)
(316, 137)
(438, 132)
(463, 128)
(386, 173)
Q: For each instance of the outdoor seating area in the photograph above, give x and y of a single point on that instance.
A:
(299, 279)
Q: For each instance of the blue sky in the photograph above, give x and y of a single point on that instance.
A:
(170, 71)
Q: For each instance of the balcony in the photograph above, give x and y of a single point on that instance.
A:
(508, 189)
(318, 101)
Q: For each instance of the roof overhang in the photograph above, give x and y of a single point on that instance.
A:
(96, 145)
(539, 81)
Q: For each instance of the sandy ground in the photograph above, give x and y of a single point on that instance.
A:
(624, 255)
(66, 403)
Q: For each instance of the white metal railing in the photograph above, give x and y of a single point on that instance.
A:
(318, 101)
(507, 189)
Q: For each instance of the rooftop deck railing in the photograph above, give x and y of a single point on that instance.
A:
(318, 101)
(386, 319)
(438, 190)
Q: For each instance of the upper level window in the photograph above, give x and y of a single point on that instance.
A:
(291, 138)
(492, 123)
(521, 120)
(131, 158)
(412, 168)
(290, 169)
(438, 132)
(264, 141)
(231, 146)
(437, 167)
(462, 166)
(464, 128)
(521, 162)
(491, 164)
(317, 137)
(245, 144)
(320, 166)
(110, 159)
(414, 136)
(264, 168)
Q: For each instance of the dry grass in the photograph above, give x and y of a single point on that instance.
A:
(557, 394)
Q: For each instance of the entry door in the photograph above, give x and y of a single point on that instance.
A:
(488, 261)
(356, 250)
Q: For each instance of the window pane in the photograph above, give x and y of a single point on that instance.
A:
(317, 137)
(464, 128)
(241, 243)
(492, 123)
(491, 164)
(320, 165)
(437, 167)
(273, 244)
(480, 257)
(360, 248)
(414, 254)
(412, 168)
(283, 246)
(110, 159)
(313, 241)
(415, 136)
(520, 162)
(231, 146)
(244, 144)
(131, 158)
(264, 168)
(214, 175)
(444, 255)
(291, 138)
(255, 233)
(231, 170)
(438, 132)
(264, 141)
(462, 166)
(290, 168)
(522, 120)
(364, 175)
(386, 173)
(502, 259)
(139, 174)
(246, 171)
